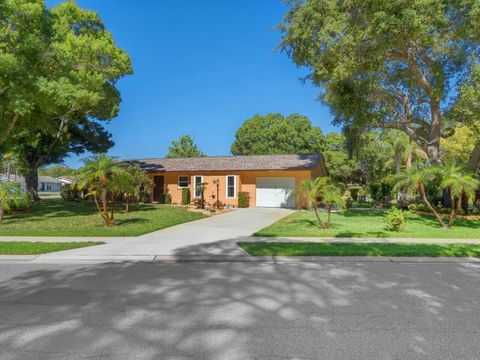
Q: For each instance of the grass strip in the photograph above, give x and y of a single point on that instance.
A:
(34, 248)
(360, 249)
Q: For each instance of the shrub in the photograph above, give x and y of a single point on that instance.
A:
(166, 198)
(396, 219)
(70, 192)
(243, 199)
(354, 193)
(379, 191)
(476, 209)
(185, 196)
(413, 207)
(197, 202)
(144, 197)
(13, 198)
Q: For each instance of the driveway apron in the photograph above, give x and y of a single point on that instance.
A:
(216, 235)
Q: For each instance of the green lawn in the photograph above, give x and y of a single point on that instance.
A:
(366, 223)
(55, 217)
(360, 249)
(33, 248)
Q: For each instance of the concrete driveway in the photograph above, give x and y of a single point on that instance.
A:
(216, 235)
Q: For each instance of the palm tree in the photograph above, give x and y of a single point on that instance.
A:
(141, 182)
(460, 185)
(97, 175)
(123, 183)
(321, 190)
(402, 149)
(415, 179)
(308, 190)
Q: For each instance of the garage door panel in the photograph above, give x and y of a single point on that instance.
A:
(275, 192)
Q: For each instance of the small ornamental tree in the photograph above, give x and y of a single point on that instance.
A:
(416, 180)
(141, 182)
(321, 190)
(200, 188)
(186, 196)
(98, 175)
(460, 185)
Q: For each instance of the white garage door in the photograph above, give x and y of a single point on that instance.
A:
(275, 192)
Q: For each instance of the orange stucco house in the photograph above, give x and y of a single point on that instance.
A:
(270, 180)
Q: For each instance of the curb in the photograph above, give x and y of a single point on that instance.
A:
(165, 259)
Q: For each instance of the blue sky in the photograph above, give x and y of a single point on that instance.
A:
(200, 68)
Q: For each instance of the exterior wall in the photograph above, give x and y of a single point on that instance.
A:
(245, 181)
(320, 170)
(171, 186)
(49, 187)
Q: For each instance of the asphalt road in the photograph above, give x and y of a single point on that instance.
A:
(240, 311)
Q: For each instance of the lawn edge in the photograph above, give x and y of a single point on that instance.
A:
(272, 253)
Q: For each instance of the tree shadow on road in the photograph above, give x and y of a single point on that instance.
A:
(228, 310)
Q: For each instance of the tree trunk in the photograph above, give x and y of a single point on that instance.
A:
(453, 213)
(1, 211)
(31, 182)
(421, 190)
(127, 207)
(329, 211)
(99, 209)
(408, 162)
(9, 129)
(113, 206)
(320, 224)
(474, 161)
(105, 206)
(397, 163)
(433, 147)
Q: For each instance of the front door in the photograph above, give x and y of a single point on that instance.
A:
(159, 187)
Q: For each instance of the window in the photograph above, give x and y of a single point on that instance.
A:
(198, 181)
(231, 186)
(183, 182)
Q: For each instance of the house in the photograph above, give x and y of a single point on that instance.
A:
(48, 183)
(270, 180)
(45, 183)
(66, 180)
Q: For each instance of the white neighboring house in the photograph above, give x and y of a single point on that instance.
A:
(15, 178)
(45, 183)
(49, 184)
(66, 180)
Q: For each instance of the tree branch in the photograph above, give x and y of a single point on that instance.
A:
(54, 142)
(9, 128)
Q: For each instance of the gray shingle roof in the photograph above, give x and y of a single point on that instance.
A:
(230, 163)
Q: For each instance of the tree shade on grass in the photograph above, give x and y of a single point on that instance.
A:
(56, 217)
(369, 224)
(360, 249)
(34, 248)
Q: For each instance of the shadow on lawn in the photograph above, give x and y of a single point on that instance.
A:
(236, 310)
(58, 208)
